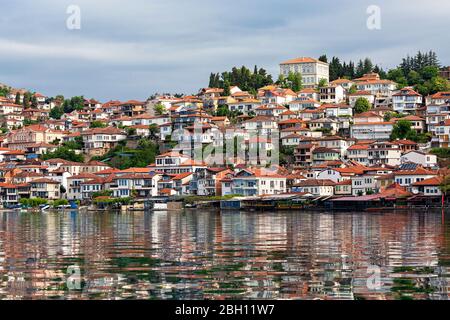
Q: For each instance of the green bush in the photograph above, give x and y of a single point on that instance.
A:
(60, 202)
(441, 152)
(33, 202)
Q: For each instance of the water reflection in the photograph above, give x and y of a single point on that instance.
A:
(198, 255)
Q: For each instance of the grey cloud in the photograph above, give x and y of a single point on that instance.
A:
(131, 49)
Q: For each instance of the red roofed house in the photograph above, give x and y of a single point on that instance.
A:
(406, 178)
(312, 70)
(353, 97)
(32, 135)
(45, 188)
(429, 187)
(315, 187)
(359, 153)
(207, 181)
(406, 100)
(176, 163)
(99, 141)
(258, 182)
(136, 185)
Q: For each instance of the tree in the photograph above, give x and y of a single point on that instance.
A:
(56, 113)
(74, 103)
(429, 72)
(26, 99)
(34, 102)
(438, 84)
(322, 83)
(97, 124)
(368, 65)
(389, 115)
(65, 153)
(362, 105)
(402, 130)
(226, 89)
(295, 81)
(445, 185)
(17, 100)
(4, 91)
(353, 89)
(76, 144)
(323, 58)
(159, 109)
(154, 130)
(131, 132)
(242, 77)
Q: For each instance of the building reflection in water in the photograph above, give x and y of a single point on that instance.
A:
(198, 255)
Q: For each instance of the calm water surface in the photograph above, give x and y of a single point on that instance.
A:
(212, 255)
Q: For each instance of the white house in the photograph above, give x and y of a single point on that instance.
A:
(429, 187)
(244, 106)
(426, 160)
(364, 184)
(332, 94)
(258, 182)
(406, 178)
(302, 104)
(380, 153)
(359, 153)
(406, 100)
(315, 187)
(98, 141)
(438, 98)
(372, 130)
(312, 70)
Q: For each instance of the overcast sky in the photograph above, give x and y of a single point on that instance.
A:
(131, 49)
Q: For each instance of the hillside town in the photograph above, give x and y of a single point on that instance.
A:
(359, 142)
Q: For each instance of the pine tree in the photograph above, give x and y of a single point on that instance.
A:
(360, 69)
(323, 58)
(368, 65)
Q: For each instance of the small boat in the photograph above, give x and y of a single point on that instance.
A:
(44, 207)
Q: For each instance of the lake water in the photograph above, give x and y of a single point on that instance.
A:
(213, 255)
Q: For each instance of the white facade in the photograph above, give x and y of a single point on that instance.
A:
(380, 153)
(423, 159)
(406, 100)
(361, 185)
(332, 94)
(312, 70)
(372, 130)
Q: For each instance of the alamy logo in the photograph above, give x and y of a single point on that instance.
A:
(374, 19)
(73, 22)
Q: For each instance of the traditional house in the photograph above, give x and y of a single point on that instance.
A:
(258, 182)
(315, 187)
(45, 188)
(99, 141)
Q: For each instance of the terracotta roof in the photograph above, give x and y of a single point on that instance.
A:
(359, 147)
(85, 175)
(182, 176)
(301, 60)
(434, 181)
(407, 92)
(416, 172)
